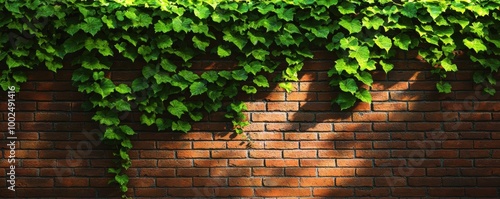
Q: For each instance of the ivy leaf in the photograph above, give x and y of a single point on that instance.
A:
(345, 100)
(93, 63)
(122, 105)
(383, 42)
(402, 41)
(105, 88)
(351, 25)
(196, 116)
(81, 75)
(249, 89)
(168, 65)
(346, 8)
(409, 10)
(287, 86)
(349, 67)
(127, 130)
(111, 135)
(139, 84)
(237, 40)
(490, 91)
(348, 85)
(126, 143)
(177, 108)
(19, 76)
(201, 12)
(475, 44)
(478, 77)
(387, 67)
(189, 75)
(148, 120)
(260, 54)
(92, 25)
(197, 88)
(240, 75)
(123, 89)
(448, 66)
(108, 118)
(200, 44)
(253, 67)
(365, 77)
(364, 96)
(181, 126)
(373, 22)
(149, 71)
(214, 95)
(443, 87)
(223, 51)
(210, 76)
(434, 10)
(261, 81)
(362, 54)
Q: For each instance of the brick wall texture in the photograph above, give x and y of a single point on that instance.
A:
(411, 142)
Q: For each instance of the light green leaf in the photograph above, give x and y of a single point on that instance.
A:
(383, 42)
(210, 76)
(123, 89)
(240, 75)
(346, 8)
(223, 51)
(402, 41)
(350, 67)
(364, 96)
(237, 40)
(448, 66)
(177, 108)
(111, 135)
(387, 67)
(201, 12)
(214, 95)
(260, 54)
(108, 118)
(261, 81)
(365, 77)
(249, 89)
(167, 65)
(127, 130)
(19, 76)
(348, 85)
(122, 105)
(443, 87)
(188, 75)
(351, 25)
(475, 44)
(288, 86)
(197, 88)
(181, 126)
(105, 88)
(362, 54)
(199, 43)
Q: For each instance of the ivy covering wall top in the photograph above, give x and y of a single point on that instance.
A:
(258, 34)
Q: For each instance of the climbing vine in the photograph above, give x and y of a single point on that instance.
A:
(260, 35)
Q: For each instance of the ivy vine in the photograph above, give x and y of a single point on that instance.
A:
(260, 35)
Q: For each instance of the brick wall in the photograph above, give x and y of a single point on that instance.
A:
(410, 142)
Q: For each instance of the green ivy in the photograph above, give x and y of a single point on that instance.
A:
(260, 35)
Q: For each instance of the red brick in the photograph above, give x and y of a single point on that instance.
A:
(336, 171)
(314, 86)
(281, 192)
(282, 163)
(424, 181)
(486, 106)
(388, 181)
(369, 117)
(282, 127)
(321, 127)
(353, 127)
(256, 106)
(229, 154)
(301, 96)
(401, 191)
(226, 192)
(337, 136)
(301, 117)
(210, 162)
(192, 172)
(457, 144)
(316, 182)
(280, 182)
(299, 153)
(238, 172)
(481, 192)
(317, 162)
(407, 116)
(266, 135)
(390, 85)
(353, 145)
(246, 162)
(270, 96)
(281, 145)
(389, 106)
(353, 181)
(336, 154)
(209, 145)
(373, 136)
(306, 172)
(372, 154)
(301, 136)
(267, 171)
(335, 192)
(317, 145)
(174, 182)
(459, 181)
(245, 182)
(282, 106)
(389, 145)
(487, 144)
(487, 163)
(174, 163)
(193, 154)
(373, 172)
(354, 162)
(448, 192)
(265, 154)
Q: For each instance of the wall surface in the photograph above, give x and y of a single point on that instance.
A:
(410, 142)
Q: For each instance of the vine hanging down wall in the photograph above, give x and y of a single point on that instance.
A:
(260, 35)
